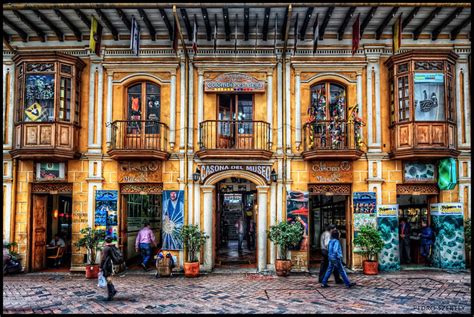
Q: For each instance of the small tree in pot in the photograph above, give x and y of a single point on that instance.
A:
(370, 242)
(285, 235)
(193, 240)
(91, 239)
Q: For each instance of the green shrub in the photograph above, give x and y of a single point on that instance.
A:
(369, 241)
(90, 240)
(193, 240)
(285, 235)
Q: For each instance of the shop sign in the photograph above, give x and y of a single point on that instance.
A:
(444, 209)
(262, 170)
(234, 82)
(331, 172)
(139, 172)
(387, 211)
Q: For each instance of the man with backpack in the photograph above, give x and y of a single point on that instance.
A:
(110, 256)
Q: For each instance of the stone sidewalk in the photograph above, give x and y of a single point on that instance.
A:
(405, 292)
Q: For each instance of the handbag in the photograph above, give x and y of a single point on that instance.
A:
(102, 281)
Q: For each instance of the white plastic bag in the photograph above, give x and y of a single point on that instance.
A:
(102, 281)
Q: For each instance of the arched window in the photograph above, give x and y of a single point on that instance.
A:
(143, 104)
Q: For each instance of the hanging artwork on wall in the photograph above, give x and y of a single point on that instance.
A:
(106, 212)
(50, 171)
(419, 172)
(365, 211)
(39, 98)
(297, 211)
(387, 224)
(173, 219)
(429, 96)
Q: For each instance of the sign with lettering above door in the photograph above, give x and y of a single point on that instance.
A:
(331, 172)
(234, 82)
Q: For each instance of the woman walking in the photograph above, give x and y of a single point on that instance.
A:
(335, 261)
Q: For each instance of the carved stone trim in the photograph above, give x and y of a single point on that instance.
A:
(424, 189)
(321, 189)
(51, 187)
(141, 188)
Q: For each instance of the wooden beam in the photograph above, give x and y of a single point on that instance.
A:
(6, 41)
(387, 19)
(325, 22)
(342, 28)
(148, 24)
(124, 19)
(427, 21)
(410, 17)
(205, 16)
(288, 13)
(83, 18)
(367, 19)
(70, 25)
(284, 25)
(266, 20)
(445, 23)
(457, 29)
(167, 22)
(187, 24)
(21, 33)
(107, 22)
(31, 25)
(53, 27)
(246, 23)
(178, 26)
(307, 17)
(225, 12)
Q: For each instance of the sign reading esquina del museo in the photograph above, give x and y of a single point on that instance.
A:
(234, 82)
(262, 170)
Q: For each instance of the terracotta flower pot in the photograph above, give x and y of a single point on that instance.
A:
(191, 269)
(283, 267)
(371, 267)
(92, 271)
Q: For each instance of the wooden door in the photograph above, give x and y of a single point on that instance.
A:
(38, 253)
(225, 128)
(245, 130)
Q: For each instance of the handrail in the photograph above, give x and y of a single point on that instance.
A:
(329, 135)
(139, 135)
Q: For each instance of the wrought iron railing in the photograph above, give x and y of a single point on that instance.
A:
(233, 134)
(330, 135)
(139, 135)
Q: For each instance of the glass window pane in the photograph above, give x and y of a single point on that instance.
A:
(39, 98)
(65, 99)
(429, 97)
(245, 108)
(317, 110)
(153, 108)
(337, 103)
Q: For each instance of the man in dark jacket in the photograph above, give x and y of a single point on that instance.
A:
(325, 237)
(106, 266)
(404, 241)
(427, 237)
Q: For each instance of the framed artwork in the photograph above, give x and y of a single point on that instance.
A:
(414, 172)
(48, 171)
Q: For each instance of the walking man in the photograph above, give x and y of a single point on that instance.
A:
(335, 260)
(241, 231)
(251, 241)
(325, 237)
(404, 241)
(144, 242)
(427, 239)
(106, 266)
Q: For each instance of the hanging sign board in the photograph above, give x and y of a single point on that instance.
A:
(234, 82)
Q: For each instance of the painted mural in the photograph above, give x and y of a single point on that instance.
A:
(365, 211)
(297, 211)
(387, 224)
(447, 222)
(173, 219)
(106, 212)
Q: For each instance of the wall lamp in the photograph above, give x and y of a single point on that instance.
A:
(197, 175)
(273, 176)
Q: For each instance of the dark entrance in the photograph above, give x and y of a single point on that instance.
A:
(236, 197)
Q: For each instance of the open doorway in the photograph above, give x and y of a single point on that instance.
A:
(236, 201)
(51, 232)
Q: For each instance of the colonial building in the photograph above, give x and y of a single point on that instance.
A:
(270, 112)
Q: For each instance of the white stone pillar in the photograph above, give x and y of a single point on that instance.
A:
(288, 107)
(182, 105)
(262, 227)
(8, 115)
(273, 203)
(7, 187)
(110, 94)
(458, 105)
(359, 97)
(91, 118)
(378, 119)
(369, 105)
(207, 191)
(197, 204)
(280, 107)
(297, 109)
(467, 103)
(11, 105)
(270, 102)
(100, 105)
(91, 201)
(190, 201)
(200, 101)
(5, 123)
(191, 107)
(173, 111)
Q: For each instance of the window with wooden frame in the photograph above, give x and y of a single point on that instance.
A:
(143, 108)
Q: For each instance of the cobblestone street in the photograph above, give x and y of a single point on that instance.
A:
(407, 292)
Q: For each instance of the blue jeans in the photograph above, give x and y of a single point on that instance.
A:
(335, 263)
(145, 249)
(241, 240)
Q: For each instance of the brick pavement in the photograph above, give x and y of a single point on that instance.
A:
(409, 292)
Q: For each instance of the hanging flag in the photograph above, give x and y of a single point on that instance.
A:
(296, 34)
(175, 37)
(316, 34)
(397, 34)
(275, 34)
(195, 44)
(215, 32)
(235, 40)
(256, 36)
(355, 34)
(135, 37)
(95, 36)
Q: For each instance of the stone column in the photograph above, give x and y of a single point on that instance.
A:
(8, 115)
(467, 103)
(262, 227)
(200, 101)
(273, 203)
(181, 105)
(297, 109)
(373, 59)
(369, 105)
(110, 94)
(100, 106)
(207, 191)
(280, 107)
(287, 106)
(378, 120)
(359, 97)
(197, 204)
(270, 102)
(173, 111)
(191, 107)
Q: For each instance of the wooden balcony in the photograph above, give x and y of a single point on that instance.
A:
(418, 140)
(54, 141)
(234, 140)
(139, 140)
(330, 140)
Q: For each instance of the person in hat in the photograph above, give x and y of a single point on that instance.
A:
(106, 266)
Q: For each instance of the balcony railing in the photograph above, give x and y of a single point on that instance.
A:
(330, 139)
(226, 138)
(139, 139)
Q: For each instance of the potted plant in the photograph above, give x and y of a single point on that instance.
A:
(467, 239)
(193, 240)
(370, 242)
(90, 240)
(285, 235)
